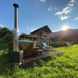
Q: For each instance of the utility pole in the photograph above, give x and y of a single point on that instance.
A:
(15, 34)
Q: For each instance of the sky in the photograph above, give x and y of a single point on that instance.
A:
(33, 14)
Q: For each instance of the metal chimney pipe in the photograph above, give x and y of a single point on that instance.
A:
(15, 37)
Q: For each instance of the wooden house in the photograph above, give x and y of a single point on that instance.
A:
(39, 31)
(42, 33)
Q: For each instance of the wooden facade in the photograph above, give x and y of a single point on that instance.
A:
(44, 29)
(42, 33)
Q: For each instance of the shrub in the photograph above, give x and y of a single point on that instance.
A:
(57, 44)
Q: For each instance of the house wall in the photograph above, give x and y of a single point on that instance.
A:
(42, 36)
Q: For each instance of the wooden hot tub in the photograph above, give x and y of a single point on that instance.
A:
(28, 47)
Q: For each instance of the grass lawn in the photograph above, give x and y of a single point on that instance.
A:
(55, 66)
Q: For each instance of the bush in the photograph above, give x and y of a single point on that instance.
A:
(57, 44)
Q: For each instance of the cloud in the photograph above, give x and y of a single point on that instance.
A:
(33, 29)
(71, 5)
(76, 19)
(63, 14)
(1, 25)
(43, 1)
(72, 1)
(50, 9)
(63, 17)
(65, 11)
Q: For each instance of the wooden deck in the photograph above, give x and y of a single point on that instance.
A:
(28, 61)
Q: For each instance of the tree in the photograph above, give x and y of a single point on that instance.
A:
(6, 37)
(22, 36)
(6, 34)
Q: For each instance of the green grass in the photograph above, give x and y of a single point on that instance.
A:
(55, 66)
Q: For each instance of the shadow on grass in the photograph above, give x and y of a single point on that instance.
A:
(6, 69)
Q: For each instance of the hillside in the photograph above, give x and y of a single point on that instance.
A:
(68, 35)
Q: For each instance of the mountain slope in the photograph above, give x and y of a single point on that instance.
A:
(68, 35)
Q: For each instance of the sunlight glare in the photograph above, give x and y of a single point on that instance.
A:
(65, 27)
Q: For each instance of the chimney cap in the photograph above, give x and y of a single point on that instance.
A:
(15, 5)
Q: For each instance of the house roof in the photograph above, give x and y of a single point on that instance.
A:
(29, 36)
(44, 28)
